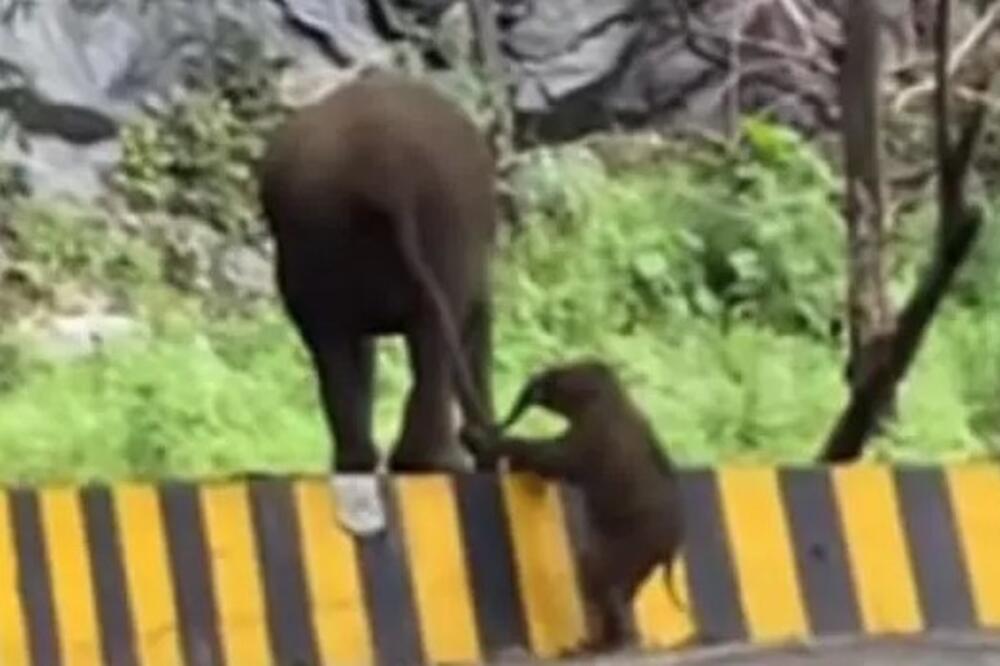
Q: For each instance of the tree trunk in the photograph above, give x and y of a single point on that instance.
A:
(958, 227)
(870, 316)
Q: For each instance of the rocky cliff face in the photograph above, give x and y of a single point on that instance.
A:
(72, 72)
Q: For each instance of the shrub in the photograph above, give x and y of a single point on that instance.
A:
(710, 282)
(197, 157)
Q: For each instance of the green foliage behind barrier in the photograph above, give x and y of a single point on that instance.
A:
(197, 157)
(713, 277)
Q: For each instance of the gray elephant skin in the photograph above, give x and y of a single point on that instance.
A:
(381, 201)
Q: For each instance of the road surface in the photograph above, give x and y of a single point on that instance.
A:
(926, 650)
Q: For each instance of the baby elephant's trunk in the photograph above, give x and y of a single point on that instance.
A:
(527, 398)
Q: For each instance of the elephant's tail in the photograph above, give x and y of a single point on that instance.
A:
(678, 545)
(668, 580)
(409, 247)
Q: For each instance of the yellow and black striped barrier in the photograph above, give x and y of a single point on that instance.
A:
(259, 572)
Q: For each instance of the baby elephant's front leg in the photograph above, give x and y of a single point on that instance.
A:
(548, 458)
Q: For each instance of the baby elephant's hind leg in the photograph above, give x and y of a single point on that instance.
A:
(607, 607)
(613, 570)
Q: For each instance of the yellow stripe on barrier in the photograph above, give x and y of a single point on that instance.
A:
(333, 578)
(147, 574)
(660, 622)
(756, 527)
(762, 551)
(876, 549)
(236, 574)
(437, 562)
(69, 567)
(545, 567)
(975, 498)
(13, 639)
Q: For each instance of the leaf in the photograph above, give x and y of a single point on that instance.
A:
(650, 266)
(746, 263)
(772, 143)
(705, 301)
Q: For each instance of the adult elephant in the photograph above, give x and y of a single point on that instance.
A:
(381, 201)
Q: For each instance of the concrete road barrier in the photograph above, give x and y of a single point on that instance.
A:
(936, 648)
(261, 572)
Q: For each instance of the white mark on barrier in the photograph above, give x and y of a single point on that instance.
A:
(360, 509)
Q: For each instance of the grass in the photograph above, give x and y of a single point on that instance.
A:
(712, 284)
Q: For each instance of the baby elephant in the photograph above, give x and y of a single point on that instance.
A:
(630, 493)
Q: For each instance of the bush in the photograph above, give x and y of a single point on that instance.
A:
(197, 157)
(712, 283)
(730, 237)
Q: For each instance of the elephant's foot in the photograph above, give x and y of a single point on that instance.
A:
(590, 647)
(450, 459)
(478, 445)
(364, 461)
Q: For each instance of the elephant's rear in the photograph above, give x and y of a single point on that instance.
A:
(343, 177)
(384, 142)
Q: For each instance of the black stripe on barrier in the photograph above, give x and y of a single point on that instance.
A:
(577, 529)
(388, 591)
(108, 572)
(34, 584)
(935, 550)
(490, 561)
(712, 580)
(191, 574)
(578, 534)
(289, 622)
(820, 552)
(808, 498)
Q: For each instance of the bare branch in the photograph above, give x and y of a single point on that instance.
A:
(942, 110)
(963, 52)
(859, 419)
(961, 155)
(766, 47)
(979, 98)
(958, 227)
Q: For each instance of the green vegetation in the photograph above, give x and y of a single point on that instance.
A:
(197, 158)
(712, 276)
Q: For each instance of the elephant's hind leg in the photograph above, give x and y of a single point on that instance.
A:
(346, 368)
(477, 344)
(428, 442)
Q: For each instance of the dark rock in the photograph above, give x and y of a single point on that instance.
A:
(189, 248)
(71, 72)
(244, 272)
